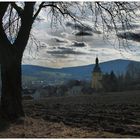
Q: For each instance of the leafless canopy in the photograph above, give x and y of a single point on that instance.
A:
(107, 16)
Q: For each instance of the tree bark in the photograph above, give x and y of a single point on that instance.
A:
(10, 59)
(11, 98)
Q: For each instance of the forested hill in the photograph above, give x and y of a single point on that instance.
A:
(79, 72)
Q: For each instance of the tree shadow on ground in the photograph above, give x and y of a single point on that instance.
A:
(4, 124)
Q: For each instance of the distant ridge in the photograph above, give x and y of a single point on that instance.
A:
(119, 66)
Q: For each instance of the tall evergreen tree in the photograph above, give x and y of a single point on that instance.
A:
(113, 82)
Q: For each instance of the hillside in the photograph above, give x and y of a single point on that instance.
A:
(80, 72)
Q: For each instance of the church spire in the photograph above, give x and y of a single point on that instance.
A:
(96, 76)
(97, 67)
(97, 61)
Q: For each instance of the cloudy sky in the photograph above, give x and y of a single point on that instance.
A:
(71, 44)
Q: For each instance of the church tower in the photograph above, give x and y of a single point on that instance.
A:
(96, 76)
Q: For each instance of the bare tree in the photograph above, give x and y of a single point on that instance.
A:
(16, 21)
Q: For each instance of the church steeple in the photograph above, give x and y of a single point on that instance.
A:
(97, 67)
(97, 61)
(96, 76)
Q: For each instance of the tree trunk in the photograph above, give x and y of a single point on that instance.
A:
(10, 59)
(11, 98)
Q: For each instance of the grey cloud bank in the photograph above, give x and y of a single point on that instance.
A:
(73, 44)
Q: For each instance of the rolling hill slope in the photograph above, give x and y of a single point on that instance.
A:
(80, 72)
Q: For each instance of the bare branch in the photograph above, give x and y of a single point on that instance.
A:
(17, 8)
(4, 39)
(38, 11)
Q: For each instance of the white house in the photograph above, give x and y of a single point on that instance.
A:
(75, 90)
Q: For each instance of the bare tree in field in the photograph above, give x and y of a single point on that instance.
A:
(16, 22)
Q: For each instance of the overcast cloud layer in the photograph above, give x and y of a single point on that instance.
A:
(74, 45)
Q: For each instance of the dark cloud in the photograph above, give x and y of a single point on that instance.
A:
(58, 40)
(43, 45)
(78, 26)
(97, 32)
(83, 33)
(63, 48)
(129, 36)
(78, 44)
(131, 26)
(65, 51)
(82, 28)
